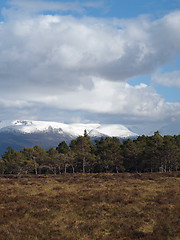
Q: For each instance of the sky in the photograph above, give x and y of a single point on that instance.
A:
(103, 61)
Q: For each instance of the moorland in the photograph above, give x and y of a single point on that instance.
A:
(99, 206)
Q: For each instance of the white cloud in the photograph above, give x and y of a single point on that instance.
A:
(69, 52)
(120, 98)
(82, 64)
(40, 5)
(7, 103)
(112, 98)
(168, 79)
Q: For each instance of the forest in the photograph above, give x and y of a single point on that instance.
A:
(107, 155)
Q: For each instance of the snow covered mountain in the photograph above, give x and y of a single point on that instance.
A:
(19, 134)
(77, 129)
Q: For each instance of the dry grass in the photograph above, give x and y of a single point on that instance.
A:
(90, 206)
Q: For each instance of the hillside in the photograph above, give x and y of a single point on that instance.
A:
(19, 134)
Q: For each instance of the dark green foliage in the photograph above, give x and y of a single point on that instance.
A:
(145, 154)
(131, 156)
(84, 153)
(15, 162)
(63, 147)
(110, 155)
(170, 154)
(37, 156)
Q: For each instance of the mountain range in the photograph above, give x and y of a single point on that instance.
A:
(27, 133)
(19, 134)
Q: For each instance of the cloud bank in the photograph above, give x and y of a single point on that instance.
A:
(83, 64)
(168, 79)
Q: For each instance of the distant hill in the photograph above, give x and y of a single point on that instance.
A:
(19, 134)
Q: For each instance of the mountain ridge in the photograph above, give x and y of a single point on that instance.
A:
(74, 129)
(26, 133)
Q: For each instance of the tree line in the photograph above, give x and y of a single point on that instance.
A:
(144, 154)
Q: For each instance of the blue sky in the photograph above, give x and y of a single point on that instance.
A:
(106, 61)
(120, 9)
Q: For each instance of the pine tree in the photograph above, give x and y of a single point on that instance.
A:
(83, 149)
(14, 161)
(170, 154)
(53, 160)
(131, 154)
(110, 154)
(63, 147)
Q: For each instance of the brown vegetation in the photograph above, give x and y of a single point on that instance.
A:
(90, 206)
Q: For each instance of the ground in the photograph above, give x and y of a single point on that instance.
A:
(90, 206)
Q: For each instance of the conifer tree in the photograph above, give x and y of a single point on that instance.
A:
(110, 154)
(63, 147)
(83, 149)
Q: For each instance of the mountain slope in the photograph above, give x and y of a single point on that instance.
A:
(19, 134)
(77, 129)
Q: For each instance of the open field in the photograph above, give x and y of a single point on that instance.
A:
(90, 206)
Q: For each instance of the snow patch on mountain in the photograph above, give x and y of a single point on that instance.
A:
(74, 129)
(115, 130)
(95, 134)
